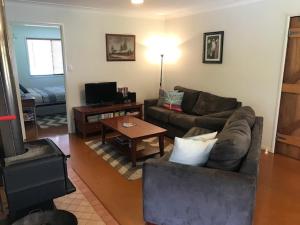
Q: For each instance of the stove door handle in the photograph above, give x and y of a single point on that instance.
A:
(8, 118)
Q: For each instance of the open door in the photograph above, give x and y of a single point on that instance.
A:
(38, 51)
(288, 131)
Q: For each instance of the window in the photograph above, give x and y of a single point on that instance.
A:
(45, 57)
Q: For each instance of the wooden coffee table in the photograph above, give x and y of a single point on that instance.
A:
(134, 134)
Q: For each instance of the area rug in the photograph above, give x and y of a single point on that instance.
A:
(122, 163)
(56, 120)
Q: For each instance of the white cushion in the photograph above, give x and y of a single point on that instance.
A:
(204, 137)
(191, 152)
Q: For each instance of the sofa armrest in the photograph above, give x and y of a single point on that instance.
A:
(150, 102)
(224, 114)
(177, 194)
(210, 123)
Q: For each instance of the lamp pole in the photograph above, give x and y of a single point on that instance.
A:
(161, 69)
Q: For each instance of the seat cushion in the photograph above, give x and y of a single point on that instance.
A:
(183, 120)
(189, 99)
(159, 113)
(194, 131)
(232, 146)
(243, 113)
(208, 103)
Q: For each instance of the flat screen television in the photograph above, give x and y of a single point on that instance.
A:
(100, 93)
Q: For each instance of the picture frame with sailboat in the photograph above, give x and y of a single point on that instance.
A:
(120, 47)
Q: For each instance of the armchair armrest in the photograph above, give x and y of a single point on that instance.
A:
(210, 123)
(177, 194)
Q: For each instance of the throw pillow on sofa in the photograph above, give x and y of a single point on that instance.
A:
(189, 98)
(232, 146)
(208, 103)
(191, 152)
(164, 95)
(173, 100)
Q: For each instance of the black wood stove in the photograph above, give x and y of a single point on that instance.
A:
(33, 173)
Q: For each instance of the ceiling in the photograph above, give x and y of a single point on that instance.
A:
(166, 8)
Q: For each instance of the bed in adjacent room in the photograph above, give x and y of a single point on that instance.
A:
(48, 95)
(48, 100)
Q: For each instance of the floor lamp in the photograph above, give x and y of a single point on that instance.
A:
(161, 69)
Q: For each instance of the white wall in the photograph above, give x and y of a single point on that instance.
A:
(84, 39)
(253, 50)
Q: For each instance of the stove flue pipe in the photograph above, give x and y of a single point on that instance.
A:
(10, 131)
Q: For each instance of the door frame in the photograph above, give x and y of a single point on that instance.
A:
(285, 45)
(66, 74)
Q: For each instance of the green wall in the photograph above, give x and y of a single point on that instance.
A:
(20, 33)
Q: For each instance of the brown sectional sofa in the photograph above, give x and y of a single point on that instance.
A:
(200, 109)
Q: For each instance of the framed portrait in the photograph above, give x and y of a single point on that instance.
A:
(120, 47)
(213, 47)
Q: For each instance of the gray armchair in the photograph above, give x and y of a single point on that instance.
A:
(177, 194)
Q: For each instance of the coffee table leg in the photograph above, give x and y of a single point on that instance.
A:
(103, 134)
(133, 152)
(161, 145)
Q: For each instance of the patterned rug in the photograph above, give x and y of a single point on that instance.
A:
(78, 203)
(56, 120)
(122, 163)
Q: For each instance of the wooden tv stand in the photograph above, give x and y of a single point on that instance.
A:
(87, 118)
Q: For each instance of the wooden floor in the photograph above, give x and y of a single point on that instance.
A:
(278, 195)
(34, 132)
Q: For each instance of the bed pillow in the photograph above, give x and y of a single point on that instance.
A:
(23, 89)
(191, 152)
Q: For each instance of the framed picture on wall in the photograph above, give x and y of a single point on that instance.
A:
(120, 47)
(213, 47)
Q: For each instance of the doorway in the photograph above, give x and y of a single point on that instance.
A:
(288, 130)
(38, 51)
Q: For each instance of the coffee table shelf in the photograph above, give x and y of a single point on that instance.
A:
(134, 134)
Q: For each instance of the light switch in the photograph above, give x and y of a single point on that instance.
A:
(70, 68)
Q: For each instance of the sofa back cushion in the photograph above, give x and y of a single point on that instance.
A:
(208, 103)
(189, 98)
(243, 113)
(232, 146)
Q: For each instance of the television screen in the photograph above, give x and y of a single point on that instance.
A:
(100, 93)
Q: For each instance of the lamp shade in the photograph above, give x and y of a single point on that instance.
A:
(162, 45)
(137, 2)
